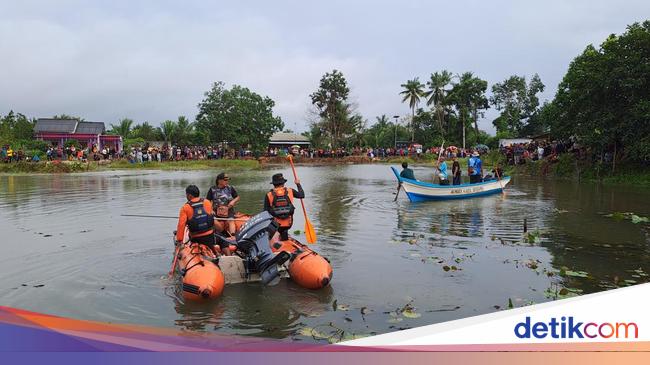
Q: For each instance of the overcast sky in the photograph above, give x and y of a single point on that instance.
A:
(153, 60)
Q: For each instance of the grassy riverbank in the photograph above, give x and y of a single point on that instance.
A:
(184, 165)
(58, 167)
(567, 167)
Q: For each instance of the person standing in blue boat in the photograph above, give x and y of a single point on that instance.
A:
(455, 170)
(406, 172)
(475, 168)
(442, 171)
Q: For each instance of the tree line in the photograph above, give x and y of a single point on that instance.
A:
(447, 107)
(235, 116)
(603, 103)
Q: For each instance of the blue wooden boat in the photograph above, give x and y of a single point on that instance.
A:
(421, 191)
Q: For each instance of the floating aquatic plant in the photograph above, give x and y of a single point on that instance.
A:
(636, 219)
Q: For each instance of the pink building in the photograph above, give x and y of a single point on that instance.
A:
(58, 131)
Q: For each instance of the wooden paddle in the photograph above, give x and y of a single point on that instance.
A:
(310, 233)
(399, 187)
(496, 172)
(440, 152)
(175, 260)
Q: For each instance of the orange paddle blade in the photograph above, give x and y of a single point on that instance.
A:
(310, 233)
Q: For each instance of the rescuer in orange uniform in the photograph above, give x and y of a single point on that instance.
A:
(198, 215)
(279, 203)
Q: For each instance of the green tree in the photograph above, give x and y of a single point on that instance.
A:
(167, 129)
(68, 117)
(123, 128)
(238, 116)
(413, 91)
(468, 97)
(331, 103)
(183, 131)
(16, 128)
(437, 95)
(603, 100)
(374, 135)
(145, 131)
(517, 102)
(426, 128)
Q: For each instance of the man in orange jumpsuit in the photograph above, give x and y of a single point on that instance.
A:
(198, 216)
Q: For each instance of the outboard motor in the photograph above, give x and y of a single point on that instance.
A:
(253, 240)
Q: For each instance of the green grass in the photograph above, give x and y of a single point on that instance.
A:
(185, 165)
(568, 168)
(74, 166)
(45, 167)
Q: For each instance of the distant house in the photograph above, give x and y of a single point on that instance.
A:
(505, 142)
(286, 140)
(58, 131)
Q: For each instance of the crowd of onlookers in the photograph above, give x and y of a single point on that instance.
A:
(520, 153)
(414, 150)
(140, 154)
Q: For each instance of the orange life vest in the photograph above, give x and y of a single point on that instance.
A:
(282, 208)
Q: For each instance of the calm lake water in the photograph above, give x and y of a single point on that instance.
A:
(69, 252)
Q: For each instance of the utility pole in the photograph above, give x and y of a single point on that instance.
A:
(396, 117)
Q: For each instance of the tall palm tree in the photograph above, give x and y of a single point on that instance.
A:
(437, 95)
(145, 131)
(167, 129)
(184, 130)
(123, 128)
(413, 91)
(382, 121)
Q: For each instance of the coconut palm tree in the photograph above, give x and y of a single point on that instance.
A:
(123, 128)
(437, 95)
(413, 91)
(184, 129)
(145, 131)
(167, 129)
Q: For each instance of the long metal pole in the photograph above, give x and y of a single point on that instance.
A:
(395, 145)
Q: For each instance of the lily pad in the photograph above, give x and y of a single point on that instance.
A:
(354, 336)
(636, 219)
(297, 232)
(312, 332)
(534, 237)
(577, 274)
(409, 313)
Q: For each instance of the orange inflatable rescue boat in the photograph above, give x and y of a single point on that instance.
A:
(257, 257)
(201, 277)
